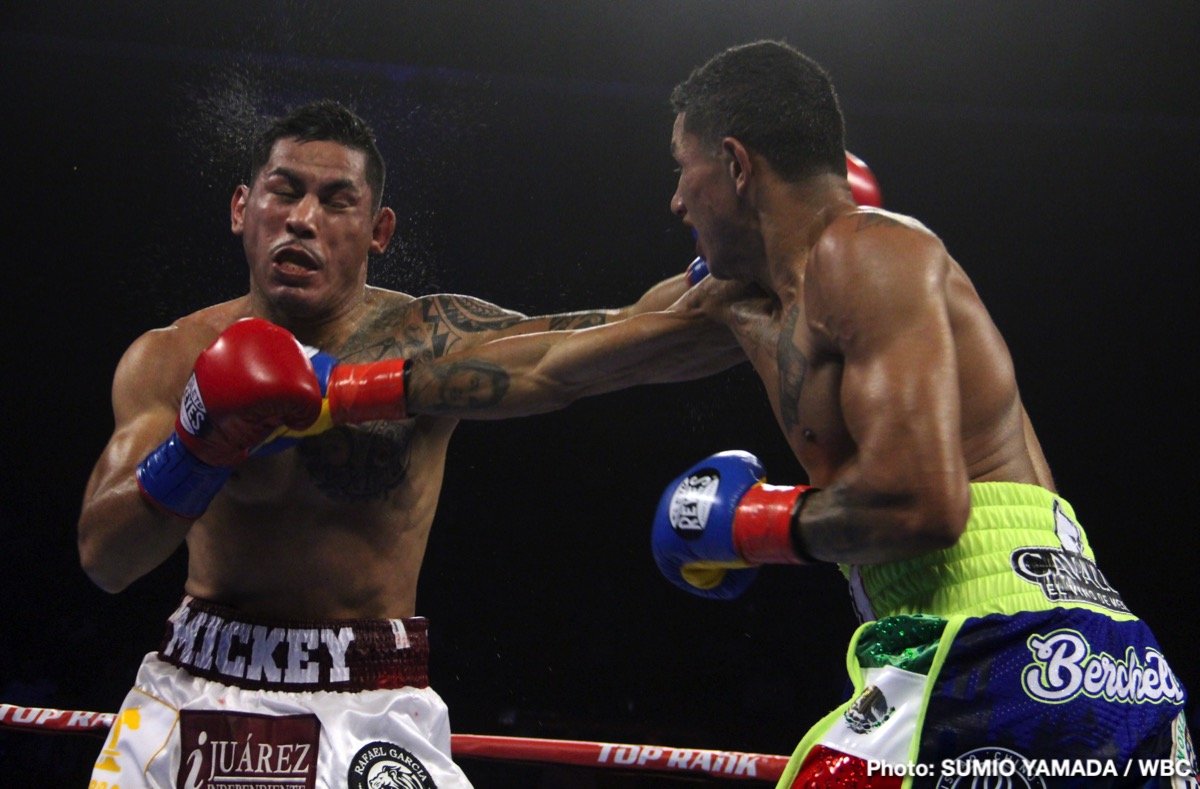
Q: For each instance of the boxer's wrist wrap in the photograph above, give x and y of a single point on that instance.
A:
(177, 482)
(762, 530)
(368, 392)
(697, 270)
(797, 536)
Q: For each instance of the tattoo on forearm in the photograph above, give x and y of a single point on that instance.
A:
(356, 350)
(792, 368)
(469, 384)
(577, 320)
(370, 461)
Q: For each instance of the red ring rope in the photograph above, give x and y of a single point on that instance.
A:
(734, 765)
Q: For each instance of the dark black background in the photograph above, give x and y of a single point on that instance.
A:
(1053, 146)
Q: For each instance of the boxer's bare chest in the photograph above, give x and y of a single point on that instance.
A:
(377, 461)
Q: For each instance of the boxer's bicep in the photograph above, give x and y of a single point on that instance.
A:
(899, 394)
(146, 389)
(875, 292)
(452, 323)
(151, 376)
(884, 309)
(119, 536)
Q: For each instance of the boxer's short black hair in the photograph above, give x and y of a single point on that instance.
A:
(323, 120)
(775, 100)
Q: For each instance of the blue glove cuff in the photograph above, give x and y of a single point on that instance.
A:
(175, 480)
(323, 364)
(697, 270)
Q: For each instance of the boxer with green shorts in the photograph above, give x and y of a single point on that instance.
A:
(1006, 655)
(991, 639)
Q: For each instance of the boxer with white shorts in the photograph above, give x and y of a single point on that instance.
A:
(229, 700)
(312, 543)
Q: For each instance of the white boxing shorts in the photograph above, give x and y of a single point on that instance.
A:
(232, 703)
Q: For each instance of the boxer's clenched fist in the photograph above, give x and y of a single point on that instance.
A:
(718, 521)
(252, 380)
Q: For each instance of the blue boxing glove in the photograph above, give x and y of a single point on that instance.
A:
(718, 521)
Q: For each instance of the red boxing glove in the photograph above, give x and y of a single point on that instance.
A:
(252, 380)
(353, 393)
(863, 185)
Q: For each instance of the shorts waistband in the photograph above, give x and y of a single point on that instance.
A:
(350, 655)
(1023, 550)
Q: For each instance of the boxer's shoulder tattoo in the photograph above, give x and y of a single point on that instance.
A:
(439, 388)
(869, 219)
(465, 315)
(432, 326)
(360, 463)
(435, 324)
(792, 367)
(423, 328)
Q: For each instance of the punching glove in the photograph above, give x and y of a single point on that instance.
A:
(351, 394)
(863, 185)
(285, 437)
(718, 521)
(253, 379)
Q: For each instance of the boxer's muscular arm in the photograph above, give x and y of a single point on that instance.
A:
(446, 323)
(876, 292)
(121, 536)
(659, 297)
(545, 371)
(432, 341)
(462, 322)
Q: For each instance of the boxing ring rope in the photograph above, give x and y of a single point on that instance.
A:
(728, 765)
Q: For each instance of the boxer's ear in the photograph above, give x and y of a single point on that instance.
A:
(381, 233)
(739, 164)
(237, 209)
